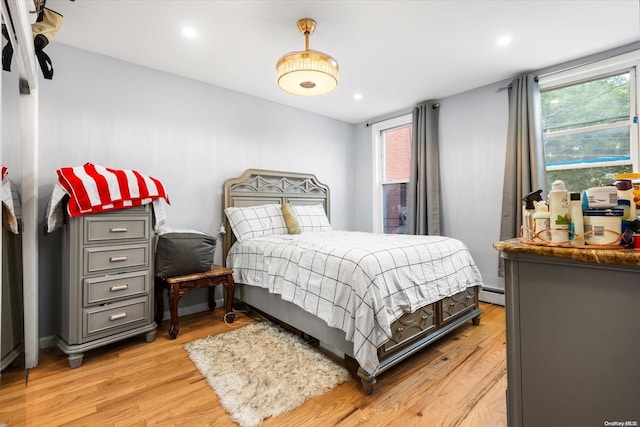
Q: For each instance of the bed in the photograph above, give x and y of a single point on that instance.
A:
(361, 295)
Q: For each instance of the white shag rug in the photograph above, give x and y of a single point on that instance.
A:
(260, 370)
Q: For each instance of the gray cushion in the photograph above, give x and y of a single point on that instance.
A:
(180, 252)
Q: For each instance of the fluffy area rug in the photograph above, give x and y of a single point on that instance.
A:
(260, 370)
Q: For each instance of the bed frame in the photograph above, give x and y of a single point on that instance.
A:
(410, 333)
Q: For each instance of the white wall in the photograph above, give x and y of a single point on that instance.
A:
(190, 135)
(473, 137)
(473, 132)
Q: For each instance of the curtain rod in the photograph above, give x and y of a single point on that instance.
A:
(588, 60)
(434, 106)
(580, 62)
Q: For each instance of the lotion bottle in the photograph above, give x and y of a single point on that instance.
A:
(559, 211)
(541, 222)
(577, 221)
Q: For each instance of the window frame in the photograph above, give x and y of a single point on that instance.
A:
(620, 64)
(377, 130)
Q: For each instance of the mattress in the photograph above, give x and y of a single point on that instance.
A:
(356, 282)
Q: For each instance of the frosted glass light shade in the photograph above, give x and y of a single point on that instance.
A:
(307, 73)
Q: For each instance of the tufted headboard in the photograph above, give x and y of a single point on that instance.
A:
(259, 187)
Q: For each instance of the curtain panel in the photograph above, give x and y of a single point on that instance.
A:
(423, 202)
(524, 162)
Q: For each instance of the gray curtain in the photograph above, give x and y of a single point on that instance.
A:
(524, 166)
(424, 186)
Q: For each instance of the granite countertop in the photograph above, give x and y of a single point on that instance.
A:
(598, 256)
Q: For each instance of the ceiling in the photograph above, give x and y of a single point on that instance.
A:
(393, 53)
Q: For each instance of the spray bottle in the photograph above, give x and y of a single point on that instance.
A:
(527, 213)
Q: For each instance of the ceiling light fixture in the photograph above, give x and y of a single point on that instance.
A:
(307, 72)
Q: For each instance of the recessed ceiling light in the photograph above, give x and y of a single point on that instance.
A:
(189, 32)
(357, 96)
(503, 40)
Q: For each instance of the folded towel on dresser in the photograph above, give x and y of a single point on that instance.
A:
(94, 189)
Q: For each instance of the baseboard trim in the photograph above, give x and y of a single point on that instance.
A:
(46, 342)
(492, 297)
(192, 309)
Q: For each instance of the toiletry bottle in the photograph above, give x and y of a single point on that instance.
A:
(541, 222)
(527, 213)
(575, 217)
(625, 191)
(559, 212)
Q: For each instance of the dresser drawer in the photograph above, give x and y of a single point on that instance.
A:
(100, 290)
(112, 318)
(408, 328)
(459, 303)
(104, 259)
(109, 228)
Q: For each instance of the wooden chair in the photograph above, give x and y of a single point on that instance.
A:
(176, 287)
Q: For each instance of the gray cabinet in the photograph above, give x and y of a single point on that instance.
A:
(107, 280)
(573, 341)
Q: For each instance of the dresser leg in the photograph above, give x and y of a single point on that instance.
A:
(150, 336)
(75, 360)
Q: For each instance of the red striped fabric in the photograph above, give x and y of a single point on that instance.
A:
(93, 188)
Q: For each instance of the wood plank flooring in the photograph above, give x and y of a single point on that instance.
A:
(458, 381)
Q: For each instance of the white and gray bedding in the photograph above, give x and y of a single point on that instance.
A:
(356, 282)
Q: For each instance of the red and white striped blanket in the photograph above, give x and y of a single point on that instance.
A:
(94, 189)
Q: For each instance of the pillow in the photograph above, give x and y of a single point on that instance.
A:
(312, 218)
(291, 219)
(255, 221)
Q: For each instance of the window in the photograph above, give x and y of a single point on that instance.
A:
(392, 139)
(589, 126)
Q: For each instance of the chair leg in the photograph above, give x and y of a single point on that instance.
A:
(174, 297)
(159, 288)
(212, 298)
(228, 300)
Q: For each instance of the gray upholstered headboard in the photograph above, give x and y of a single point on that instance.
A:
(260, 187)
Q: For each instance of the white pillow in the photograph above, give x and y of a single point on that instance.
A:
(256, 221)
(312, 218)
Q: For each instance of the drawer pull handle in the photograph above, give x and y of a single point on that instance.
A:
(118, 229)
(119, 287)
(118, 258)
(452, 304)
(400, 329)
(425, 317)
(118, 316)
(468, 296)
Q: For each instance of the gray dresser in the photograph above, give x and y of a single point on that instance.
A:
(573, 336)
(107, 280)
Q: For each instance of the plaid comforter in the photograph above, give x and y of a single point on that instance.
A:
(357, 282)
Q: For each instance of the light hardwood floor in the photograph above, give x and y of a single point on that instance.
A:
(458, 381)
